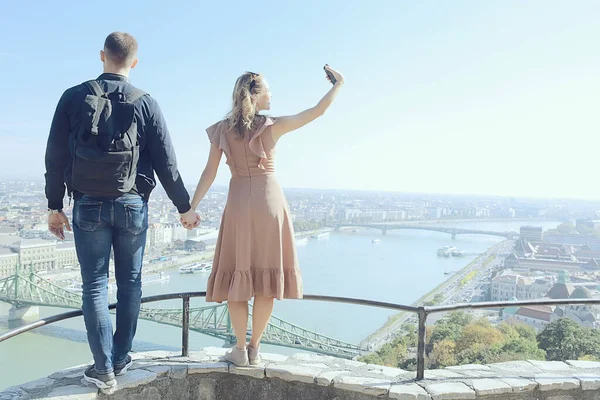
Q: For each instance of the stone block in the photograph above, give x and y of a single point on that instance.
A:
(328, 377)
(159, 354)
(14, 393)
(309, 357)
(315, 365)
(353, 364)
(442, 374)
(584, 364)
(39, 384)
(469, 367)
(550, 365)
(488, 387)
(410, 391)
(520, 384)
(589, 381)
(160, 370)
(73, 392)
(553, 381)
(515, 368)
(199, 356)
(178, 371)
(386, 371)
(70, 373)
(290, 372)
(255, 371)
(137, 356)
(135, 378)
(361, 384)
(268, 357)
(215, 351)
(450, 391)
(205, 368)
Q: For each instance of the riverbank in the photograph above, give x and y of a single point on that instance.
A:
(451, 287)
(464, 220)
(176, 260)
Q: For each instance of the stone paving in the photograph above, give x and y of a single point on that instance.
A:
(509, 380)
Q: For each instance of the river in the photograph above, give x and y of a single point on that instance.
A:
(400, 268)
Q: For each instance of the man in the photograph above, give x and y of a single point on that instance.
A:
(106, 141)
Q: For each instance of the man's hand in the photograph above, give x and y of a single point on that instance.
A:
(57, 223)
(190, 219)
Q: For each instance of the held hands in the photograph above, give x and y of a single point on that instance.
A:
(190, 219)
(57, 223)
(338, 76)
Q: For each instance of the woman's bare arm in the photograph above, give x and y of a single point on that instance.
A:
(290, 123)
(208, 175)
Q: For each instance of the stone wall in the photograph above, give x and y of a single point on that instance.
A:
(162, 375)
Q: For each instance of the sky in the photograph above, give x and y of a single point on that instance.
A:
(474, 97)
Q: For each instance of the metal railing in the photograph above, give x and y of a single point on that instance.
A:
(421, 311)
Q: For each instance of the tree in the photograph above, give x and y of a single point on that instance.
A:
(450, 327)
(566, 228)
(563, 339)
(478, 335)
(445, 332)
(443, 354)
(459, 318)
(410, 334)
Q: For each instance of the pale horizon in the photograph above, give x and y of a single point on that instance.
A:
(468, 98)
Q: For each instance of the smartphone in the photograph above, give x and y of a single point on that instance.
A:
(330, 75)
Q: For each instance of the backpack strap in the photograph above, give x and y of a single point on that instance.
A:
(95, 88)
(134, 94)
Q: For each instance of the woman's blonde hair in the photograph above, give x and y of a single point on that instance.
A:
(243, 115)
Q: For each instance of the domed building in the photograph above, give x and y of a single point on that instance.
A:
(584, 314)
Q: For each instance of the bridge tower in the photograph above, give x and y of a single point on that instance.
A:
(384, 231)
(453, 234)
(16, 312)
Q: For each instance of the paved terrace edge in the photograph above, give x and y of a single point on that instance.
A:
(154, 371)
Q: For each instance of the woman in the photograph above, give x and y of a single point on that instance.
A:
(255, 255)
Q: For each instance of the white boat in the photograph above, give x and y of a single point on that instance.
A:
(202, 267)
(321, 235)
(446, 251)
(375, 240)
(187, 269)
(355, 230)
(302, 240)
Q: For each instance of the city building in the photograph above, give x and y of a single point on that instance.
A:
(563, 288)
(434, 213)
(9, 259)
(65, 255)
(209, 244)
(509, 285)
(37, 254)
(536, 317)
(531, 233)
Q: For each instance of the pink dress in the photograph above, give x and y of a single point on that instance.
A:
(256, 248)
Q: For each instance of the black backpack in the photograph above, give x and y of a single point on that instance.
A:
(106, 147)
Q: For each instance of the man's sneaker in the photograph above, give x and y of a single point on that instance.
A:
(253, 356)
(237, 356)
(121, 369)
(102, 381)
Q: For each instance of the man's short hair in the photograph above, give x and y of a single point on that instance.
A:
(121, 48)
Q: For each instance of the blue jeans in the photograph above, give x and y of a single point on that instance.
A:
(100, 224)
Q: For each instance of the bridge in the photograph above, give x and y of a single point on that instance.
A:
(452, 231)
(24, 290)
